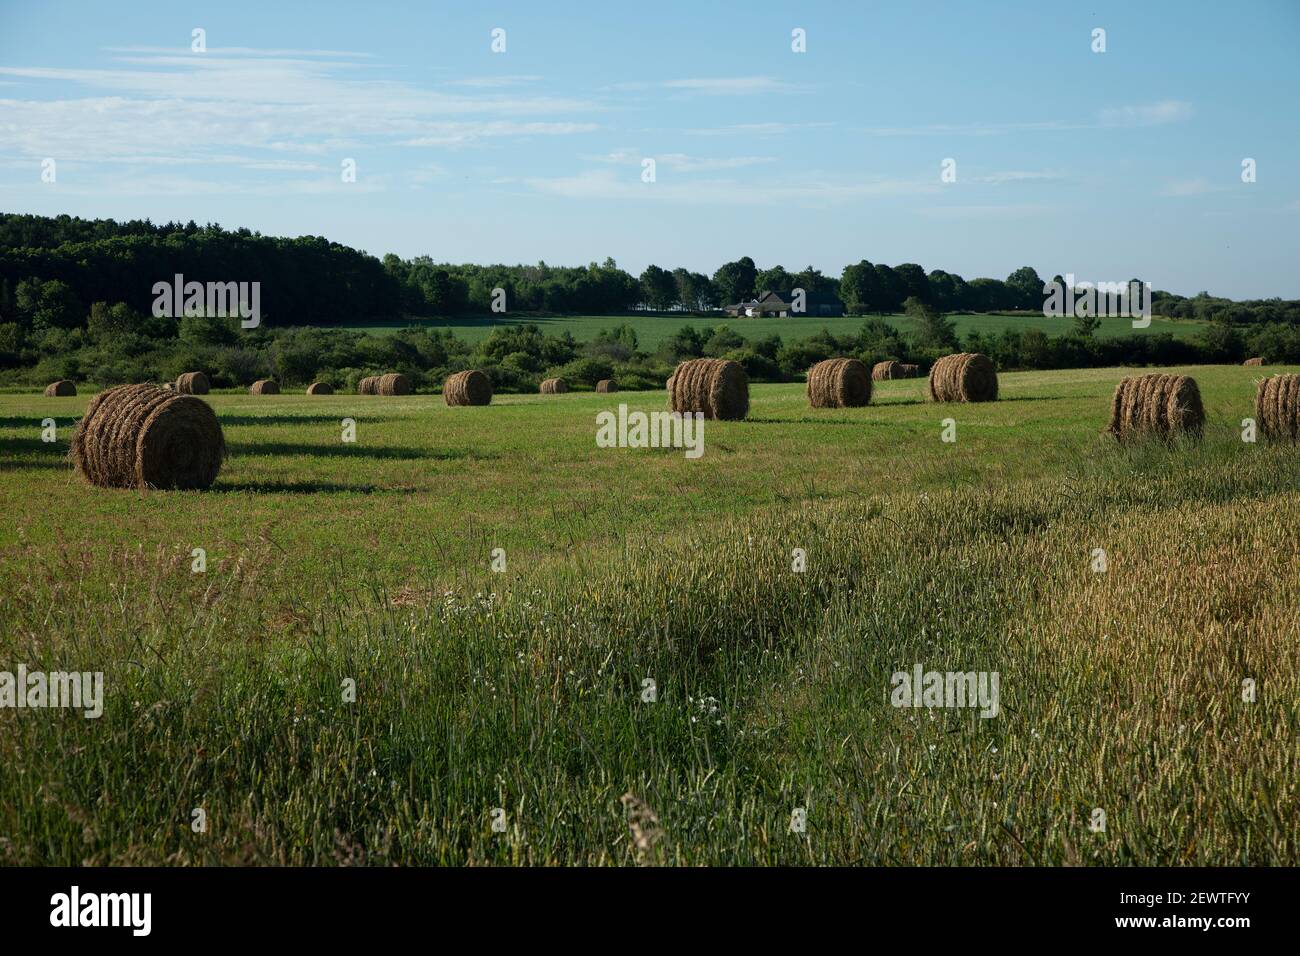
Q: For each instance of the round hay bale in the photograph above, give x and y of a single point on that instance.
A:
(193, 383)
(320, 388)
(839, 383)
(470, 387)
(910, 371)
(264, 386)
(143, 436)
(1156, 405)
(394, 383)
(61, 389)
(719, 388)
(1277, 407)
(884, 371)
(606, 385)
(554, 386)
(368, 385)
(1254, 361)
(964, 377)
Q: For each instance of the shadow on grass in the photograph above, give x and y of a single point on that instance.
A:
(358, 451)
(296, 419)
(304, 488)
(33, 446)
(34, 421)
(49, 464)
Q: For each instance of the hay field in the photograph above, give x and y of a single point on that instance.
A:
(523, 690)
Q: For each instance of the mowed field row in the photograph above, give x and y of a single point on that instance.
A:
(525, 690)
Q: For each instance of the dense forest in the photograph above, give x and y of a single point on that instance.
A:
(76, 300)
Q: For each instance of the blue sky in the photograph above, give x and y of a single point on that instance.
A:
(1107, 165)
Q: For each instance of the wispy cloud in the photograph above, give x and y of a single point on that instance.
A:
(1149, 114)
(712, 85)
(284, 109)
(1017, 176)
(494, 82)
(807, 189)
(679, 162)
(757, 129)
(1197, 186)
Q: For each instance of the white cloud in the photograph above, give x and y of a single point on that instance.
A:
(197, 108)
(807, 189)
(1148, 114)
(757, 129)
(711, 86)
(1188, 187)
(1017, 176)
(679, 162)
(729, 85)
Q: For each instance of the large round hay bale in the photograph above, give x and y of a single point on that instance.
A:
(719, 388)
(839, 383)
(964, 377)
(554, 386)
(394, 383)
(470, 387)
(368, 385)
(1254, 361)
(193, 383)
(61, 389)
(1156, 405)
(143, 436)
(1277, 407)
(910, 371)
(320, 388)
(884, 371)
(264, 386)
(606, 385)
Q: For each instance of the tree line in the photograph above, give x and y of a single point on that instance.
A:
(53, 269)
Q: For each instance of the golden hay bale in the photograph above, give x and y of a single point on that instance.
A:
(320, 388)
(883, 371)
(61, 389)
(470, 387)
(839, 383)
(394, 383)
(1159, 405)
(264, 386)
(964, 377)
(910, 371)
(368, 385)
(554, 386)
(719, 388)
(1253, 361)
(143, 436)
(193, 383)
(606, 385)
(1277, 407)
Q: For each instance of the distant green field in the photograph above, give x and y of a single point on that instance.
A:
(653, 329)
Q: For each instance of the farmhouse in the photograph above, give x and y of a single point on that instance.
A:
(784, 304)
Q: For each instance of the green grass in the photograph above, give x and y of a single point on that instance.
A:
(654, 329)
(522, 690)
